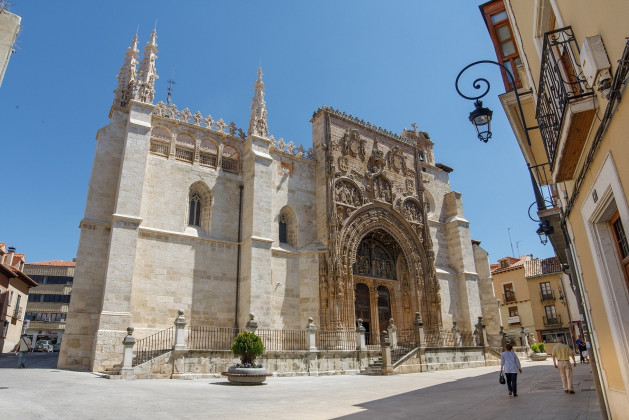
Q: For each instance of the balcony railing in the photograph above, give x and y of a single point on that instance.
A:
(561, 83)
(552, 321)
(509, 296)
(17, 313)
(549, 295)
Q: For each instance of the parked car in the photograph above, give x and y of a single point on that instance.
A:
(43, 345)
(56, 347)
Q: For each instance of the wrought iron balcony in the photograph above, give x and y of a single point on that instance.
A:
(550, 295)
(17, 313)
(564, 114)
(552, 321)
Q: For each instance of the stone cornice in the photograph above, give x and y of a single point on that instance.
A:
(96, 222)
(144, 229)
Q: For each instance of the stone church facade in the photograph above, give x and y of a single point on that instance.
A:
(187, 212)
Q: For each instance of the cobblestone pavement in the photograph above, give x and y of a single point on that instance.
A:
(42, 391)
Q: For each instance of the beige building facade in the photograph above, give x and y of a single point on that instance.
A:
(535, 294)
(571, 61)
(47, 306)
(14, 289)
(188, 212)
(9, 28)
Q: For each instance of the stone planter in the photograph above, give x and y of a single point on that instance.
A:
(538, 357)
(246, 376)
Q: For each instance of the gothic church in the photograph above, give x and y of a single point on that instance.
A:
(188, 212)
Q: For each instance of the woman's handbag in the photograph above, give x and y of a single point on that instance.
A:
(502, 379)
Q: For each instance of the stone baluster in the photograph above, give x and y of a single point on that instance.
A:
(385, 344)
(252, 324)
(419, 331)
(312, 330)
(127, 357)
(361, 343)
(392, 330)
(180, 333)
(456, 335)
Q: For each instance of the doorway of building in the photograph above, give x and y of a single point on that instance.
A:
(384, 307)
(363, 310)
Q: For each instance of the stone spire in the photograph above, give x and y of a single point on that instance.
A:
(127, 75)
(147, 75)
(257, 121)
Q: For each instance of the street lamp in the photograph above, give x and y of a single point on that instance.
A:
(481, 118)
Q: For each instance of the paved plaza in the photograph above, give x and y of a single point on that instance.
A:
(43, 392)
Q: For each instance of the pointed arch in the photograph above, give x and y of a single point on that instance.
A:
(287, 227)
(199, 206)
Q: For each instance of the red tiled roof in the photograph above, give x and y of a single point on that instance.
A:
(513, 264)
(56, 263)
(541, 267)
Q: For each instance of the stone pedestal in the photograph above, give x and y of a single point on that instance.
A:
(180, 333)
(127, 357)
(387, 366)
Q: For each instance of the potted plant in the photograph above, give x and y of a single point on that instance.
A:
(539, 352)
(247, 346)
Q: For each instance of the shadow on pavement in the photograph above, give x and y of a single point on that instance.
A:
(540, 396)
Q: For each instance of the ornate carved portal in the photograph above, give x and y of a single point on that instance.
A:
(378, 268)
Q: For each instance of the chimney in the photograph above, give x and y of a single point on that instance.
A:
(9, 257)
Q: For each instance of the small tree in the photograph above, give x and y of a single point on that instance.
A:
(535, 347)
(542, 347)
(247, 346)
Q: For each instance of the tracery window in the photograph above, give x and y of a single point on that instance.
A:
(194, 218)
(283, 230)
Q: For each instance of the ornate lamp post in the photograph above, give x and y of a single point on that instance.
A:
(481, 119)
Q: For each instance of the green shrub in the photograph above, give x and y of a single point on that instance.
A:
(542, 348)
(535, 348)
(247, 346)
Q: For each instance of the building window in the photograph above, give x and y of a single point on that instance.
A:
(509, 293)
(551, 317)
(194, 218)
(283, 231)
(622, 246)
(514, 315)
(504, 43)
(545, 291)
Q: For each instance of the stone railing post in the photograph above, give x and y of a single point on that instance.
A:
(127, 357)
(524, 340)
(180, 333)
(312, 331)
(361, 343)
(385, 344)
(483, 328)
(419, 331)
(456, 335)
(392, 330)
(252, 324)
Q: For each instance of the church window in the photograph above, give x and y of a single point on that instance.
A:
(422, 157)
(287, 227)
(208, 153)
(195, 210)
(230, 160)
(199, 204)
(160, 141)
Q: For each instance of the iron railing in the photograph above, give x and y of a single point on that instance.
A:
(208, 159)
(211, 338)
(278, 340)
(556, 320)
(186, 155)
(336, 340)
(230, 165)
(159, 148)
(549, 295)
(508, 296)
(561, 82)
(154, 345)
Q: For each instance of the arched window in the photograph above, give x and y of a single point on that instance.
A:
(287, 227)
(208, 153)
(230, 160)
(194, 219)
(199, 205)
(283, 229)
(160, 141)
(185, 147)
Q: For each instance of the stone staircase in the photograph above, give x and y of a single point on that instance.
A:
(375, 367)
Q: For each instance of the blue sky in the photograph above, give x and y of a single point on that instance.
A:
(389, 63)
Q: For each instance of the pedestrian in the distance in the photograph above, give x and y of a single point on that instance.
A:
(561, 360)
(510, 363)
(582, 349)
(21, 349)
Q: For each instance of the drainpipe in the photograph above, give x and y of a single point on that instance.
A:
(238, 258)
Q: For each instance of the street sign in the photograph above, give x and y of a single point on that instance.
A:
(27, 323)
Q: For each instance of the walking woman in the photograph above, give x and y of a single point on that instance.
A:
(510, 363)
